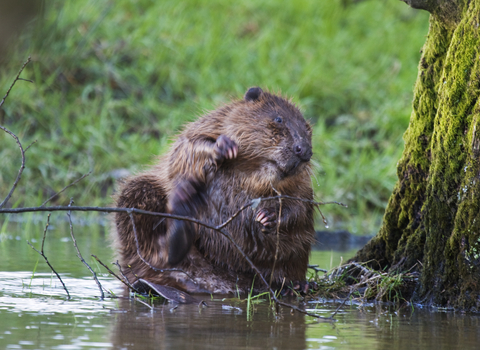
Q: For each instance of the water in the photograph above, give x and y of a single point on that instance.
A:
(35, 313)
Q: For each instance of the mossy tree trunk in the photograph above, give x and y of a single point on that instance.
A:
(432, 221)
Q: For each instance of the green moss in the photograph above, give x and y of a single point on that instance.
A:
(450, 209)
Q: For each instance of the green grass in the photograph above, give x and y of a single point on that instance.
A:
(114, 82)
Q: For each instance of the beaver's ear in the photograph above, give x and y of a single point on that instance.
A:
(253, 94)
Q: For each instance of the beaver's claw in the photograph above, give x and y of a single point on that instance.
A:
(225, 148)
(268, 218)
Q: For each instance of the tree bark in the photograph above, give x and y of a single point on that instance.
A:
(432, 221)
(447, 11)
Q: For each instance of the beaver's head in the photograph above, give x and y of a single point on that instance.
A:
(273, 136)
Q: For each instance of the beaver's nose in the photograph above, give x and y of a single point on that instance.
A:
(303, 151)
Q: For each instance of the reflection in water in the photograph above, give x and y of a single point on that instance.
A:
(380, 327)
(34, 312)
(212, 327)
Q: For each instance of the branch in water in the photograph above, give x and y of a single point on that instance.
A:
(45, 258)
(102, 296)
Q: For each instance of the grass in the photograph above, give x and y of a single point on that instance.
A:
(115, 81)
(365, 284)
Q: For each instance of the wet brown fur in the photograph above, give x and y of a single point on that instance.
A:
(264, 160)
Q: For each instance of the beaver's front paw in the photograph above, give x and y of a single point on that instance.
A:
(225, 148)
(268, 218)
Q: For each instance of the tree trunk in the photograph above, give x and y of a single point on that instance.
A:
(432, 221)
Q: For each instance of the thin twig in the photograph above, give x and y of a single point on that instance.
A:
(30, 145)
(323, 217)
(146, 212)
(256, 201)
(20, 171)
(219, 227)
(125, 282)
(338, 308)
(316, 268)
(144, 303)
(366, 271)
(303, 200)
(278, 236)
(102, 296)
(15, 136)
(117, 264)
(63, 189)
(41, 252)
(16, 78)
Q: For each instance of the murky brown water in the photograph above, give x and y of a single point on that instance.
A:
(35, 314)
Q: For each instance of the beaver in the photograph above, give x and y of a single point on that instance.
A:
(251, 148)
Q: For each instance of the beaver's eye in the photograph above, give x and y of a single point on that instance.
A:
(278, 119)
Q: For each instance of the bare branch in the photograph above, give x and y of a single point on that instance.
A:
(278, 236)
(102, 296)
(125, 282)
(30, 145)
(324, 219)
(15, 136)
(44, 257)
(144, 303)
(163, 215)
(316, 268)
(255, 201)
(341, 305)
(20, 171)
(16, 78)
(63, 189)
(219, 227)
(117, 264)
